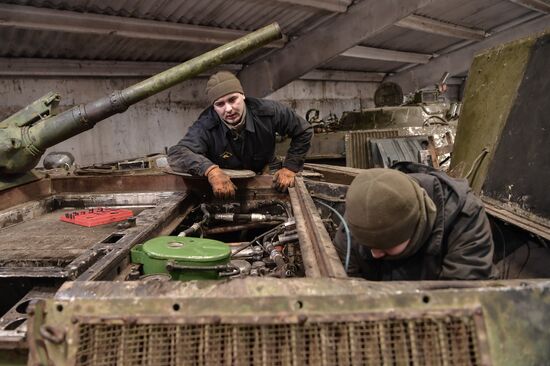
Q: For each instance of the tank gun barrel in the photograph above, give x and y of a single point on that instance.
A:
(22, 144)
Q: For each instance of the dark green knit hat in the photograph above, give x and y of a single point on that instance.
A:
(383, 207)
(222, 83)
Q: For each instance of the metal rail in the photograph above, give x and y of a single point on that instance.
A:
(318, 252)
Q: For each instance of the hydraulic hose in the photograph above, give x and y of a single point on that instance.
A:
(346, 229)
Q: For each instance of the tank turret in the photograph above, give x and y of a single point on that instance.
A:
(28, 133)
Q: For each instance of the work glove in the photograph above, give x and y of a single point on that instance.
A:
(222, 186)
(283, 179)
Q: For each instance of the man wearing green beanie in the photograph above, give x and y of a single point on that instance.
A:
(238, 132)
(415, 223)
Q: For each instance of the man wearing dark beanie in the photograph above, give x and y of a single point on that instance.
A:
(415, 223)
(238, 132)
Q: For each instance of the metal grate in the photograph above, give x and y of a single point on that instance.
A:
(357, 147)
(448, 340)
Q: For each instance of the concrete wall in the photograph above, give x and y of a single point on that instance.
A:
(160, 121)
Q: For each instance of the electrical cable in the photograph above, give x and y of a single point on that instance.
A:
(427, 123)
(543, 243)
(197, 225)
(526, 260)
(477, 163)
(505, 272)
(285, 207)
(346, 229)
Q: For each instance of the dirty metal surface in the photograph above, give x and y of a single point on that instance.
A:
(150, 223)
(520, 168)
(514, 214)
(232, 173)
(485, 113)
(406, 338)
(335, 174)
(266, 287)
(13, 324)
(320, 257)
(496, 322)
(36, 243)
(46, 240)
(118, 183)
(89, 184)
(27, 192)
(325, 145)
(331, 192)
(253, 188)
(33, 234)
(26, 211)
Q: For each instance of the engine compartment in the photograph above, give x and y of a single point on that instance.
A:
(272, 252)
(260, 238)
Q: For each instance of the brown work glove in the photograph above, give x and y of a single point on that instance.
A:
(283, 179)
(222, 186)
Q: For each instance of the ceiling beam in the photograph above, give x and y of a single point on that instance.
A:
(458, 62)
(428, 25)
(337, 75)
(387, 55)
(336, 6)
(542, 6)
(456, 46)
(40, 67)
(344, 31)
(28, 17)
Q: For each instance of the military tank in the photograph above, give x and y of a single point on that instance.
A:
(25, 135)
(191, 280)
(418, 127)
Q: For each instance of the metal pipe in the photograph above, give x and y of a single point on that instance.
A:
(233, 228)
(197, 225)
(252, 217)
(283, 239)
(27, 141)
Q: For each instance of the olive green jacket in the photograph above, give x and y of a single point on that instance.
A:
(460, 246)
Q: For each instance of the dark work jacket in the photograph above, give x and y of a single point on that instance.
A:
(209, 141)
(460, 246)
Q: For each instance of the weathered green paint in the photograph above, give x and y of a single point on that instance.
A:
(188, 250)
(521, 161)
(515, 314)
(22, 147)
(493, 82)
(185, 251)
(394, 117)
(39, 109)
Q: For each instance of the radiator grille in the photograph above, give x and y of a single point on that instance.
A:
(445, 341)
(357, 148)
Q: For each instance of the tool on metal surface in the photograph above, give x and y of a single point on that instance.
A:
(97, 216)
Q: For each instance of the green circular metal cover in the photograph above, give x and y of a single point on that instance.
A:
(186, 249)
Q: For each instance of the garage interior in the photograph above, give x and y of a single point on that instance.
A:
(461, 84)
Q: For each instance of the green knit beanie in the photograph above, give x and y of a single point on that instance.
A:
(383, 207)
(221, 84)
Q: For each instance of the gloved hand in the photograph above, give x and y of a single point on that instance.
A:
(222, 186)
(283, 179)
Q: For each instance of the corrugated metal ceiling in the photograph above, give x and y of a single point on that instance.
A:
(242, 15)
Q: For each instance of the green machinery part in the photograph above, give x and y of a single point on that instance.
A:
(184, 258)
(28, 133)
